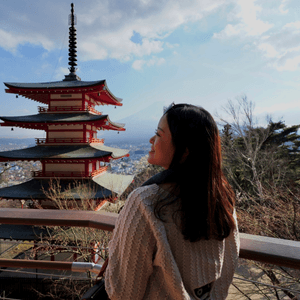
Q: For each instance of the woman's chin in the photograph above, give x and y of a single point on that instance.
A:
(150, 161)
(150, 157)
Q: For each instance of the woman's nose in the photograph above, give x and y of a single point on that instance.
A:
(151, 140)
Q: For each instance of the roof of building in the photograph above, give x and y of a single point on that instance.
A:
(96, 90)
(54, 84)
(105, 186)
(55, 118)
(41, 121)
(63, 152)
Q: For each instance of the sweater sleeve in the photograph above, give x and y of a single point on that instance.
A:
(131, 252)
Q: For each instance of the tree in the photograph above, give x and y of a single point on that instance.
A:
(261, 163)
(286, 141)
(73, 243)
(255, 156)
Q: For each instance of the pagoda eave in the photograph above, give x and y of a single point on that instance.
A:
(25, 126)
(42, 121)
(101, 187)
(63, 152)
(98, 125)
(105, 159)
(40, 92)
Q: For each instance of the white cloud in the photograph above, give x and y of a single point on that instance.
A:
(295, 25)
(171, 46)
(291, 64)
(154, 61)
(10, 41)
(282, 7)
(246, 13)
(138, 64)
(279, 45)
(282, 47)
(105, 28)
(153, 21)
(277, 108)
(268, 50)
(60, 73)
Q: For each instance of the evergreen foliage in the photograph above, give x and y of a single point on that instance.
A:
(256, 156)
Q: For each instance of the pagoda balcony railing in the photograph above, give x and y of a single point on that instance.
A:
(279, 252)
(45, 109)
(99, 171)
(59, 174)
(68, 174)
(44, 141)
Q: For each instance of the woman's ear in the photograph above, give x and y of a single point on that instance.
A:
(185, 155)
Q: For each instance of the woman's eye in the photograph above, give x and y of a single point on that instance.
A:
(156, 133)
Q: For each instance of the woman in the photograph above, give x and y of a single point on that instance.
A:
(176, 237)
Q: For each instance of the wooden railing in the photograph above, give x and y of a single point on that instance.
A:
(44, 141)
(99, 171)
(45, 109)
(69, 174)
(59, 174)
(258, 248)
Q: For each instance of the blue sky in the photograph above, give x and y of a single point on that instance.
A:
(196, 51)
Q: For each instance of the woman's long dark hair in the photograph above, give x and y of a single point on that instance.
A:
(206, 199)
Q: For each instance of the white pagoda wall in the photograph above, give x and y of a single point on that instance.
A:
(89, 127)
(65, 167)
(66, 96)
(65, 103)
(65, 134)
(69, 127)
(71, 131)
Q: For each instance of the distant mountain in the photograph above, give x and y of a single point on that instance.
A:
(139, 126)
(17, 141)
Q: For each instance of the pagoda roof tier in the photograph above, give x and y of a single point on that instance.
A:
(63, 152)
(107, 185)
(42, 121)
(96, 90)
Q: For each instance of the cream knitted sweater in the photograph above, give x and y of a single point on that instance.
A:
(149, 259)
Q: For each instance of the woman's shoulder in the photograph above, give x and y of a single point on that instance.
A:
(144, 193)
(146, 189)
(148, 194)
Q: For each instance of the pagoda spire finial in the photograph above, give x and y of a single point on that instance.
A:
(72, 46)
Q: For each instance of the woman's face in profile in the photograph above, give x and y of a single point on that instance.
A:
(162, 148)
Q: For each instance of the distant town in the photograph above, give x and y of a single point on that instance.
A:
(18, 172)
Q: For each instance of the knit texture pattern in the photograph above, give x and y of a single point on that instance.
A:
(149, 259)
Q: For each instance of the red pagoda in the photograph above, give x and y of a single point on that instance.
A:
(71, 151)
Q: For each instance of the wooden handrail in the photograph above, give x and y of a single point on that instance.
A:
(35, 264)
(53, 217)
(280, 252)
(275, 251)
(50, 265)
